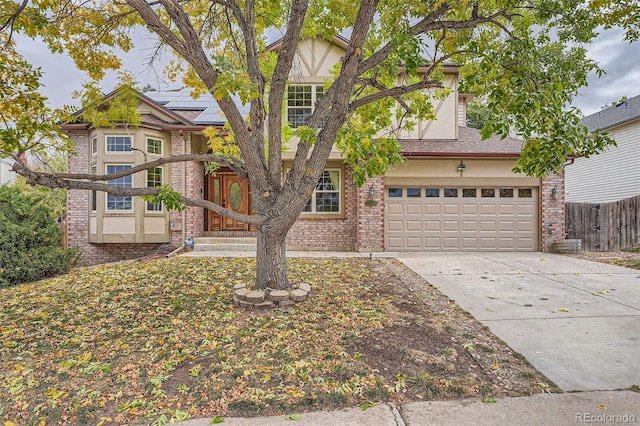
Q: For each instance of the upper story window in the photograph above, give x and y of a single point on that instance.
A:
(326, 197)
(94, 146)
(118, 143)
(301, 102)
(94, 194)
(115, 203)
(154, 146)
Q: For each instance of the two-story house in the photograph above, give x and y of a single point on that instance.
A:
(455, 192)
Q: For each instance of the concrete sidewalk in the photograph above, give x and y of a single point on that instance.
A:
(576, 321)
(609, 407)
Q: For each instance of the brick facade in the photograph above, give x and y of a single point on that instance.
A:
(360, 227)
(371, 216)
(329, 233)
(552, 211)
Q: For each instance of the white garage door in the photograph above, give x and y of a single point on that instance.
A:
(461, 218)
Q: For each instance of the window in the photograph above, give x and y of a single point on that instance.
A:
(468, 192)
(432, 193)
(395, 192)
(487, 192)
(119, 203)
(506, 192)
(118, 143)
(413, 192)
(451, 192)
(154, 180)
(94, 194)
(525, 193)
(94, 146)
(154, 146)
(326, 197)
(301, 101)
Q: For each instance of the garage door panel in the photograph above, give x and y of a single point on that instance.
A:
(432, 225)
(450, 226)
(488, 225)
(506, 209)
(435, 209)
(506, 226)
(394, 210)
(450, 243)
(414, 242)
(488, 209)
(462, 223)
(469, 226)
(470, 209)
(413, 226)
(395, 225)
(413, 209)
(451, 209)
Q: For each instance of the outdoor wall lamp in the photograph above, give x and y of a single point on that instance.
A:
(554, 192)
(462, 167)
(372, 191)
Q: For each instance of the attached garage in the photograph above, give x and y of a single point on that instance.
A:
(470, 217)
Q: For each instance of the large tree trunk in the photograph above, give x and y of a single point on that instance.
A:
(271, 258)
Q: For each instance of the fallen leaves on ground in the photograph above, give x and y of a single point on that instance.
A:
(161, 341)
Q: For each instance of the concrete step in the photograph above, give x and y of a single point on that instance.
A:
(224, 244)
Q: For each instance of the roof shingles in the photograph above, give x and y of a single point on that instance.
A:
(615, 115)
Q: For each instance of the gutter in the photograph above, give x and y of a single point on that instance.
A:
(461, 154)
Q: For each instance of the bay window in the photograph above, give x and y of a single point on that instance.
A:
(115, 203)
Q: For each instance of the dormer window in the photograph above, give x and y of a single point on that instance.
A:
(301, 102)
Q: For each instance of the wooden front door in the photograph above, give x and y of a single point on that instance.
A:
(230, 191)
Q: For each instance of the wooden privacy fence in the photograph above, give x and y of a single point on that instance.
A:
(604, 226)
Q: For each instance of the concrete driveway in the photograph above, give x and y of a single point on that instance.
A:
(576, 321)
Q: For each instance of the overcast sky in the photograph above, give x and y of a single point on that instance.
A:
(619, 59)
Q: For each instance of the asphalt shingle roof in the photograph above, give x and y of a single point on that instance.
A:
(469, 142)
(614, 115)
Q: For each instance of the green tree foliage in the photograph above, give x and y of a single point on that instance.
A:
(526, 58)
(478, 114)
(30, 239)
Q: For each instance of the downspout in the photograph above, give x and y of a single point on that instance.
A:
(184, 189)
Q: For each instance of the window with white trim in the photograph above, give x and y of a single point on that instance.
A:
(94, 193)
(326, 197)
(154, 180)
(115, 203)
(301, 102)
(154, 146)
(94, 146)
(119, 143)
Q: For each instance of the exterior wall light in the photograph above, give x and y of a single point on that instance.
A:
(462, 167)
(554, 192)
(372, 191)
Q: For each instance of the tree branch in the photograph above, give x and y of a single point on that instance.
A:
(58, 180)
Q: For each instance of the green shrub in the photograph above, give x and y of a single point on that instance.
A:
(30, 240)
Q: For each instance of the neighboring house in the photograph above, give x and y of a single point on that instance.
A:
(612, 175)
(7, 176)
(455, 192)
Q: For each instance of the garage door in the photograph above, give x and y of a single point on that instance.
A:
(461, 218)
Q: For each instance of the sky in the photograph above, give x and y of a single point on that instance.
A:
(619, 59)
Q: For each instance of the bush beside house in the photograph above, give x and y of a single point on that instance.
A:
(30, 239)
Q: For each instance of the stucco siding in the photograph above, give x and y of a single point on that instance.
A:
(610, 176)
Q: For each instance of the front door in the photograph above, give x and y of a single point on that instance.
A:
(230, 191)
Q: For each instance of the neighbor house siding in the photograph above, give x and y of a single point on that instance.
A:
(610, 176)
